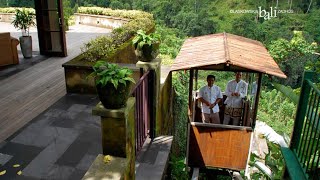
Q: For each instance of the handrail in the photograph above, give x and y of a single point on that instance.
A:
(305, 143)
(139, 82)
(221, 126)
(142, 110)
(313, 86)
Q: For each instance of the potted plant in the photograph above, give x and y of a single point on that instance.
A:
(112, 83)
(146, 46)
(24, 20)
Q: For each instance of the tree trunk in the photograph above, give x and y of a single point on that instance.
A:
(309, 6)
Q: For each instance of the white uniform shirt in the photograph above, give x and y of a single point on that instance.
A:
(210, 95)
(254, 88)
(235, 101)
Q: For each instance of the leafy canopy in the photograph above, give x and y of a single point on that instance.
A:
(293, 56)
(105, 73)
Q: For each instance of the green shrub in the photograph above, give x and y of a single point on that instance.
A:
(129, 14)
(104, 47)
(142, 39)
(180, 83)
(140, 23)
(171, 42)
(166, 60)
(13, 10)
(273, 160)
(177, 168)
(98, 48)
(67, 12)
(105, 73)
(277, 111)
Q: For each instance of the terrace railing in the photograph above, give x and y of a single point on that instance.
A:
(302, 157)
(143, 111)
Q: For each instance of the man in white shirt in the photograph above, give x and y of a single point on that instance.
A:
(236, 90)
(210, 96)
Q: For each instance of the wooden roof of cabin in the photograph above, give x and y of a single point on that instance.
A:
(226, 51)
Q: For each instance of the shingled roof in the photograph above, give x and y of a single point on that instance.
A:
(226, 51)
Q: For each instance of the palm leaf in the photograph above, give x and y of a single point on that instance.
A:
(288, 92)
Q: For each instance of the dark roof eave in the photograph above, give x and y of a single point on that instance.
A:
(280, 75)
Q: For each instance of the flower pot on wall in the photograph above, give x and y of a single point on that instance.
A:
(112, 83)
(23, 20)
(148, 52)
(113, 98)
(146, 45)
(26, 46)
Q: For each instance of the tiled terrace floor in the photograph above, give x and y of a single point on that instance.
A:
(25, 94)
(60, 143)
(52, 135)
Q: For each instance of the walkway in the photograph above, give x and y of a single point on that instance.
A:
(26, 94)
(50, 134)
(60, 143)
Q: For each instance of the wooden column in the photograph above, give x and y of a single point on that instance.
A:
(257, 100)
(190, 92)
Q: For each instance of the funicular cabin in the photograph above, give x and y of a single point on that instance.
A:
(218, 145)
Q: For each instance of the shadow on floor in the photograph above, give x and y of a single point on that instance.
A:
(60, 143)
(7, 71)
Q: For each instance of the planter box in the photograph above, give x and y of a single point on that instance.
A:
(76, 76)
(77, 69)
(99, 20)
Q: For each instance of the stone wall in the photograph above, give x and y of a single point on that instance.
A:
(77, 80)
(165, 114)
(6, 17)
(99, 20)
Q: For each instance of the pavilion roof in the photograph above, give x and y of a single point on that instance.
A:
(226, 51)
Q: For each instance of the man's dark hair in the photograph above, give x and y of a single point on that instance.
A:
(211, 76)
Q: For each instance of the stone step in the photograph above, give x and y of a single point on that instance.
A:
(151, 163)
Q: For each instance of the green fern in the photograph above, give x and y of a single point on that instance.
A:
(105, 73)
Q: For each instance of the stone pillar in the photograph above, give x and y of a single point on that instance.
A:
(118, 132)
(154, 65)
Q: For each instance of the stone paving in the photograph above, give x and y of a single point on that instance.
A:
(64, 140)
(60, 143)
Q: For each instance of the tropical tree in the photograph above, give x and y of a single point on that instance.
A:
(248, 27)
(293, 56)
(275, 29)
(312, 25)
(20, 3)
(103, 3)
(67, 12)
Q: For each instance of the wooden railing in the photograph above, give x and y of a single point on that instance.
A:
(302, 158)
(142, 92)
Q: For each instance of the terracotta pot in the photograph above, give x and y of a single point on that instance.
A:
(113, 98)
(147, 53)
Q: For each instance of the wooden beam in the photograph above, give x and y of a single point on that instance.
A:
(221, 126)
